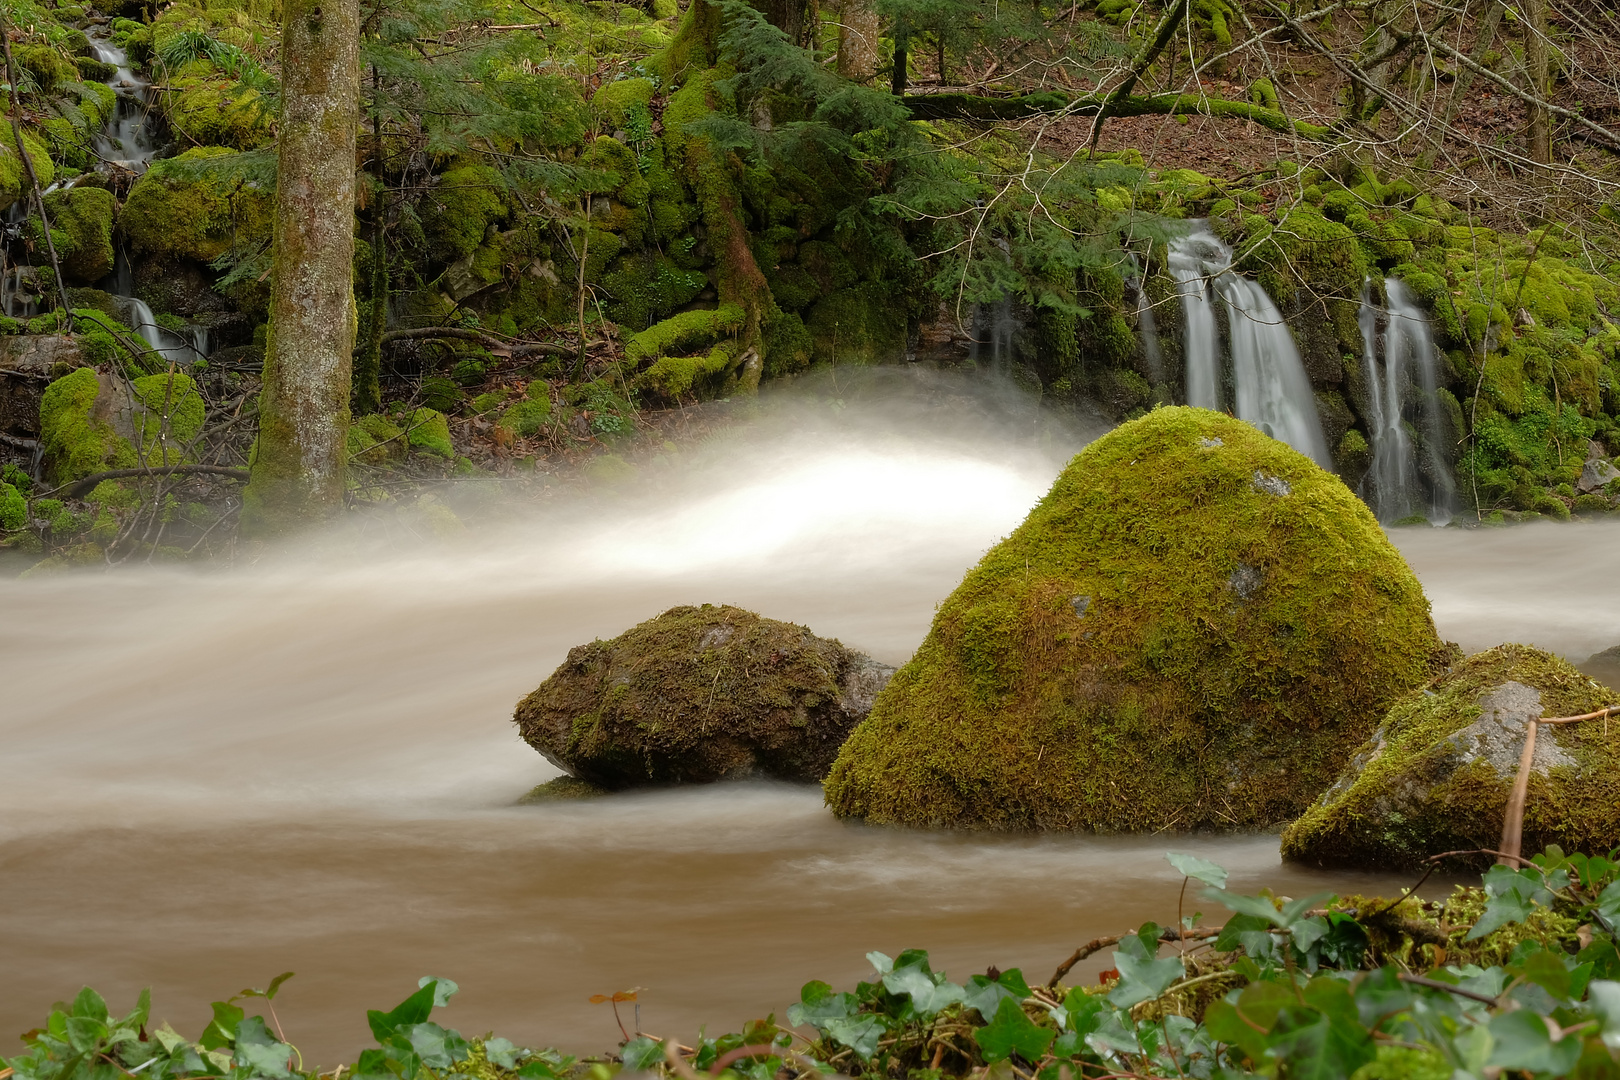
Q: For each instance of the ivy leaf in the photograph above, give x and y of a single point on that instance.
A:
(221, 1030)
(1012, 1032)
(1603, 998)
(1141, 977)
(1316, 1046)
(1522, 1041)
(985, 995)
(1194, 867)
(443, 989)
(502, 1052)
(1607, 907)
(817, 1005)
(927, 996)
(641, 1054)
(1513, 895)
(1113, 1036)
(859, 1033)
(264, 1059)
(435, 1046)
(413, 1010)
(880, 961)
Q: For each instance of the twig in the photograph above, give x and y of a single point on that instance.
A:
(1436, 984)
(1098, 944)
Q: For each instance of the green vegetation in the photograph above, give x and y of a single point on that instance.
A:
(1428, 780)
(177, 208)
(1193, 629)
(76, 437)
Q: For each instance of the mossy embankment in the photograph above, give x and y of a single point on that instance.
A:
(1187, 632)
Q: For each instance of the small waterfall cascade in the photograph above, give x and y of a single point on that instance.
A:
(1408, 476)
(171, 346)
(19, 297)
(993, 329)
(125, 142)
(1148, 328)
(1267, 378)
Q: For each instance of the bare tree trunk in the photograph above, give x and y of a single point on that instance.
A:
(857, 40)
(300, 462)
(1535, 62)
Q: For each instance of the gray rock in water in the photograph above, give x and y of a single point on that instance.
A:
(1436, 775)
(701, 694)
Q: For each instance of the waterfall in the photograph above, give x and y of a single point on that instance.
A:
(1149, 329)
(993, 329)
(1400, 391)
(1269, 383)
(169, 345)
(125, 141)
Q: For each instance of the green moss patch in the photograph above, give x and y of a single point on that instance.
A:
(76, 437)
(181, 206)
(81, 230)
(700, 694)
(1436, 774)
(1193, 629)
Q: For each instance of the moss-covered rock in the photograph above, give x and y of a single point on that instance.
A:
(182, 207)
(1436, 775)
(13, 508)
(13, 177)
(1193, 629)
(208, 108)
(81, 229)
(77, 433)
(428, 432)
(700, 694)
(460, 209)
(862, 325)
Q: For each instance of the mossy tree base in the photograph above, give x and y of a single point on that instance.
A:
(1187, 632)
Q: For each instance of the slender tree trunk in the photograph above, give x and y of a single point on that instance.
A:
(33, 179)
(1535, 62)
(902, 57)
(857, 40)
(299, 464)
(368, 357)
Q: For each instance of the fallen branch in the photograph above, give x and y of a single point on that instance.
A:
(1048, 102)
(1140, 63)
(82, 487)
(1169, 933)
(489, 341)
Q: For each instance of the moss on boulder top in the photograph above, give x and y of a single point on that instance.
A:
(1193, 629)
(91, 422)
(1436, 775)
(700, 694)
(188, 206)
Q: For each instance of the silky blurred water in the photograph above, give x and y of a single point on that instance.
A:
(309, 764)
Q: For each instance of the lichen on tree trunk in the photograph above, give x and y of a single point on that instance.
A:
(299, 462)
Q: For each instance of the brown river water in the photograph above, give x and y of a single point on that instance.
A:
(309, 764)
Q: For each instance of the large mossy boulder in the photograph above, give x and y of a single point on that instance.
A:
(700, 694)
(92, 422)
(1193, 629)
(1436, 775)
(193, 206)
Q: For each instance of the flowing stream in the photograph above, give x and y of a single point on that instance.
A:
(308, 764)
(1407, 477)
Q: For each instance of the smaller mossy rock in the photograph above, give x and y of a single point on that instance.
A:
(614, 101)
(428, 432)
(81, 229)
(460, 208)
(208, 108)
(182, 206)
(13, 177)
(167, 418)
(77, 433)
(701, 694)
(1437, 773)
(1193, 629)
(13, 508)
